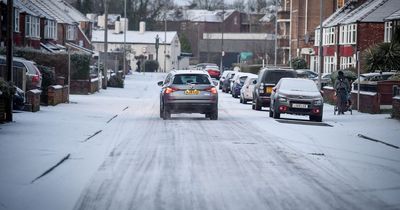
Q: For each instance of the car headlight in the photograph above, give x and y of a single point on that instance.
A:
(318, 102)
(282, 99)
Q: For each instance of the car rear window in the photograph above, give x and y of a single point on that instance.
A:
(273, 77)
(242, 79)
(182, 79)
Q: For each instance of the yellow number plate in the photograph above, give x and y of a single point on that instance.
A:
(192, 92)
(269, 90)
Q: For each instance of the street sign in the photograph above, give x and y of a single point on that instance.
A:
(246, 55)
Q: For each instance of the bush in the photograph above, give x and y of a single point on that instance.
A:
(298, 63)
(348, 73)
(395, 77)
(7, 89)
(151, 66)
(80, 62)
(48, 76)
(115, 81)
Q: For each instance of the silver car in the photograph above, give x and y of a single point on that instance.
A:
(188, 91)
(246, 92)
(296, 96)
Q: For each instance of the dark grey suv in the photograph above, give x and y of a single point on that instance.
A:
(267, 79)
(188, 91)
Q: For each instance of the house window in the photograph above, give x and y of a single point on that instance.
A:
(329, 37)
(388, 31)
(317, 33)
(16, 20)
(347, 62)
(70, 32)
(32, 26)
(50, 30)
(329, 64)
(348, 34)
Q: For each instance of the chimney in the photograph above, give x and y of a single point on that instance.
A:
(142, 27)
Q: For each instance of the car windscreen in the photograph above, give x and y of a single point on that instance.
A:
(273, 77)
(183, 79)
(299, 85)
(242, 79)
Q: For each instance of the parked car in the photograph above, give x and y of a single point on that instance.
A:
(372, 78)
(33, 75)
(222, 79)
(19, 99)
(246, 92)
(226, 85)
(267, 79)
(202, 66)
(213, 71)
(238, 82)
(188, 91)
(307, 74)
(297, 96)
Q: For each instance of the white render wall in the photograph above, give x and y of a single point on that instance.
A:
(172, 50)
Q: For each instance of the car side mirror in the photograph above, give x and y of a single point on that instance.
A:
(160, 83)
(215, 83)
(255, 82)
(322, 93)
(274, 89)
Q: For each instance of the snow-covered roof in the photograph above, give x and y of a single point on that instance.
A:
(22, 7)
(70, 10)
(394, 16)
(37, 9)
(370, 11)
(197, 15)
(49, 6)
(373, 11)
(133, 37)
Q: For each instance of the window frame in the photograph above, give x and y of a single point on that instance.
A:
(388, 31)
(16, 20)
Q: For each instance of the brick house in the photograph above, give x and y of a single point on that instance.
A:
(46, 24)
(392, 24)
(357, 26)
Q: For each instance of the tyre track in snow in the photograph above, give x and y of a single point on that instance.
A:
(193, 163)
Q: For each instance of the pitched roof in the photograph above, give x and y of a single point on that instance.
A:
(70, 10)
(196, 15)
(373, 11)
(42, 13)
(60, 15)
(394, 16)
(133, 37)
(370, 11)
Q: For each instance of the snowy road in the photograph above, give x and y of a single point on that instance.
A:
(245, 160)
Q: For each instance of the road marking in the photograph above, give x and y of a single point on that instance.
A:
(376, 140)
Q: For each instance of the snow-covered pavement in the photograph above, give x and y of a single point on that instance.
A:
(120, 155)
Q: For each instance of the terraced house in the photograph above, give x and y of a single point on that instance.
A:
(51, 25)
(357, 26)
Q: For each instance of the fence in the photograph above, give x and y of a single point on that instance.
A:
(19, 76)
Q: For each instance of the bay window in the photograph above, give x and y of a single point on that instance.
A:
(50, 29)
(32, 26)
(348, 34)
(16, 20)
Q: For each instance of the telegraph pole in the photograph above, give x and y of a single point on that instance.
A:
(165, 42)
(276, 32)
(222, 37)
(105, 69)
(9, 56)
(321, 14)
(125, 29)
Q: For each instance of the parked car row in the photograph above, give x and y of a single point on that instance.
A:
(33, 79)
(279, 89)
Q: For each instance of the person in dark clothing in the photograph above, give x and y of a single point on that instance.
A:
(138, 65)
(342, 87)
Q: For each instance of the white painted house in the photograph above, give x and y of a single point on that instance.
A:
(142, 43)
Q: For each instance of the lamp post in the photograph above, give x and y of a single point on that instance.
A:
(276, 32)
(105, 44)
(9, 56)
(222, 37)
(321, 12)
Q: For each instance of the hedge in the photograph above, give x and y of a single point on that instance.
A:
(80, 62)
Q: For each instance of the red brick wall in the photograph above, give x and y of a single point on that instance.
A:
(369, 34)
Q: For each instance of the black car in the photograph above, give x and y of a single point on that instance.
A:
(188, 91)
(226, 85)
(267, 79)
